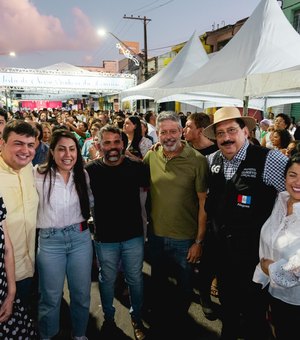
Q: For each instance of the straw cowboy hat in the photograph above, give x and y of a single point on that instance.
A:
(226, 113)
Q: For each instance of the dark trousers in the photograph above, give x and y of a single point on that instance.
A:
(207, 266)
(24, 290)
(168, 258)
(285, 318)
(243, 303)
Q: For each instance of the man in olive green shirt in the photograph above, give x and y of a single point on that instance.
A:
(178, 219)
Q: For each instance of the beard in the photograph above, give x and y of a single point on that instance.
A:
(113, 155)
(171, 144)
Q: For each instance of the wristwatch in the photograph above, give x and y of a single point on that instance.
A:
(201, 242)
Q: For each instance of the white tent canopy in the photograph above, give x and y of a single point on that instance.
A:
(251, 64)
(187, 61)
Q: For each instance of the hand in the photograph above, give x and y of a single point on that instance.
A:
(6, 309)
(92, 152)
(132, 156)
(155, 146)
(194, 253)
(264, 263)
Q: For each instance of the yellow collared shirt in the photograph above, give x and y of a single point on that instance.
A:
(21, 201)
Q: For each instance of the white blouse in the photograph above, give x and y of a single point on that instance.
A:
(63, 209)
(280, 242)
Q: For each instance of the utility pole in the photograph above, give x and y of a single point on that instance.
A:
(145, 20)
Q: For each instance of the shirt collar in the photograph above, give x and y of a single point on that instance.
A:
(6, 167)
(184, 152)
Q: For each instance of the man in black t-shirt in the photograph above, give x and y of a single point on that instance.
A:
(115, 182)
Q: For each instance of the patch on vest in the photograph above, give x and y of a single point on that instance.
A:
(249, 172)
(244, 201)
(215, 169)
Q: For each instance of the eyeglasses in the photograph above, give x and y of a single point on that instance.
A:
(231, 132)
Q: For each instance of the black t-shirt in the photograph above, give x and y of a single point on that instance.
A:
(116, 191)
(208, 150)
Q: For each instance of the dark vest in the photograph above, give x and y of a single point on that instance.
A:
(244, 202)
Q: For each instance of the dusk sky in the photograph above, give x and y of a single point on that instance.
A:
(45, 32)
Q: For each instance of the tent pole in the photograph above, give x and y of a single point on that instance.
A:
(265, 107)
(245, 105)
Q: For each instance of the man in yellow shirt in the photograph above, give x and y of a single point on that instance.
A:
(17, 188)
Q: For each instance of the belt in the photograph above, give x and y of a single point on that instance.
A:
(83, 226)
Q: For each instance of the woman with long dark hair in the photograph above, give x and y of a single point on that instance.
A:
(64, 243)
(136, 149)
(137, 144)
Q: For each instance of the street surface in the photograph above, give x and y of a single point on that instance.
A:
(196, 327)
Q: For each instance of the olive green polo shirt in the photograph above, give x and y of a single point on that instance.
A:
(174, 186)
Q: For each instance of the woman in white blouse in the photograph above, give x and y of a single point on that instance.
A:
(64, 244)
(280, 256)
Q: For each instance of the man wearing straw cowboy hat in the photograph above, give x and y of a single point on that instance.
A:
(243, 183)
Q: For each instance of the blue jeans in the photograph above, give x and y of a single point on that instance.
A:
(67, 251)
(166, 251)
(131, 254)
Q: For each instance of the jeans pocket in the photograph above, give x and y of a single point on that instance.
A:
(44, 234)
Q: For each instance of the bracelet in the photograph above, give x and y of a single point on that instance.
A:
(201, 242)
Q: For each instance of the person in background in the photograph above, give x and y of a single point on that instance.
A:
(81, 132)
(64, 243)
(41, 149)
(47, 132)
(243, 183)
(280, 139)
(252, 136)
(137, 144)
(297, 132)
(91, 141)
(264, 125)
(193, 134)
(150, 118)
(17, 187)
(119, 120)
(279, 254)
(15, 323)
(3, 120)
(293, 126)
(137, 147)
(42, 116)
(144, 126)
(270, 117)
(293, 148)
(119, 234)
(282, 121)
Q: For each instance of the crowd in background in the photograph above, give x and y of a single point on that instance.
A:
(194, 150)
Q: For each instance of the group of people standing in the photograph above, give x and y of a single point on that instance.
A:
(213, 198)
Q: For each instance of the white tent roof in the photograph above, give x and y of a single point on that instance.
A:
(187, 61)
(65, 67)
(266, 43)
